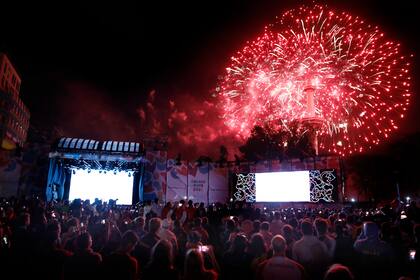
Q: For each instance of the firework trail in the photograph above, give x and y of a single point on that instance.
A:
(359, 82)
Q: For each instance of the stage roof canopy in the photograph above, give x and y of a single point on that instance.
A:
(93, 154)
(88, 145)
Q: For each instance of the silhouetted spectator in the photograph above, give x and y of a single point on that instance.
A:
(338, 272)
(369, 244)
(152, 237)
(321, 226)
(287, 233)
(70, 236)
(161, 263)
(139, 227)
(279, 266)
(229, 229)
(156, 208)
(311, 252)
(236, 262)
(198, 227)
(85, 263)
(344, 252)
(53, 257)
(194, 267)
(414, 253)
(256, 227)
(167, 210)
(166, 234)
(180, 234)
(120, 264)
(191, 210)
(143, 249)
(257, 250)
(265, 232)
(277, 224)
(374, 255)
(201, 210)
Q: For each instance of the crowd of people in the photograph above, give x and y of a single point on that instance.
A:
(186, 240)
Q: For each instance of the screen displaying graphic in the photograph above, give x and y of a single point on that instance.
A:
(105, 186)
(282, 186)
(297, 186)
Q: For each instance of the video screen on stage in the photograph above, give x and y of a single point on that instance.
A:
(282, 186)
(104, 186)
(286, 186)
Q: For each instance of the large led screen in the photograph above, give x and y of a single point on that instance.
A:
(282, 186)
(105, 186)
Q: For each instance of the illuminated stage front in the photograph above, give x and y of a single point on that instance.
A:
(89, 169)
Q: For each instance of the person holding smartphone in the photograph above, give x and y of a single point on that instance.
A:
(194, 242)
(69, 237)
(413, 254)
(376, 255)
(4, 242)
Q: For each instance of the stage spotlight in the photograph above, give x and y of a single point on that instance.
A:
(407, 198)
(353, 200)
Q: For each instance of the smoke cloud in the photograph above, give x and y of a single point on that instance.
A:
(193, 126)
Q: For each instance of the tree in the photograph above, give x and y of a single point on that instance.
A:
(223, 154)
(268, 143)
(202, 159)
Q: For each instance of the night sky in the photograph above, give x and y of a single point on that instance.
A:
(87, 67)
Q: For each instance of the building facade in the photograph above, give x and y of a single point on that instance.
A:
(14, 115)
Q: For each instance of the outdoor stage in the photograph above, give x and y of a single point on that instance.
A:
(89, 169)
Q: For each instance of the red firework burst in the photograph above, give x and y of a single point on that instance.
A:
(314, 63)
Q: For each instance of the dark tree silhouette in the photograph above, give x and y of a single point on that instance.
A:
(266, 143)
(223, 155)
(201, 159)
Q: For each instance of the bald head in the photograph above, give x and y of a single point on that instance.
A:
(154, 225)
(278, 243)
